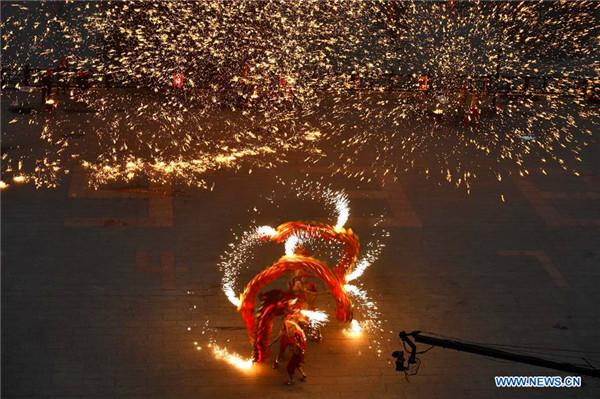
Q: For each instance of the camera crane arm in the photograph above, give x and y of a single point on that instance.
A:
(419, 337)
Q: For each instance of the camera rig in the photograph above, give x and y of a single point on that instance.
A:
(411, 366)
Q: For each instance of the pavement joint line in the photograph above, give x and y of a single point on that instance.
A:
(160, 204)
(538, 200)
(167, 270)
(392, 191)
(544, 260)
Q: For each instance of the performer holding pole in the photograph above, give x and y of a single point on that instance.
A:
(298, 350)
(286, 336)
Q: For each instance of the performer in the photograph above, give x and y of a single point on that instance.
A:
(306, 291)
(26, 75)
(298, 350)
(46, 85)
(462, 96)
(473, 114)
(311, 293)
(297, 281)
(63, 75)
(274, 303)
(286, 335)
(296, 286)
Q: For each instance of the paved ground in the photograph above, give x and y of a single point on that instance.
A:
(99, 287)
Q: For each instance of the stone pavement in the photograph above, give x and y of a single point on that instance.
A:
(105, 292)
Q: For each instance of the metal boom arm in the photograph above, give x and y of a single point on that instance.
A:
(492, 352)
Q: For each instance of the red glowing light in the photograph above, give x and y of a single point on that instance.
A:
(423, 83)
(178, 80)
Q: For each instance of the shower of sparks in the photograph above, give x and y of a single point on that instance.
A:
(293, 242)
(330, 80)
(247, 69)
(354, 331)
(315, 318)
(364, 262)
(265, 231)
(241, 255)
(341, 205)
(232, 358)
(462, 48)
(371, 321)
